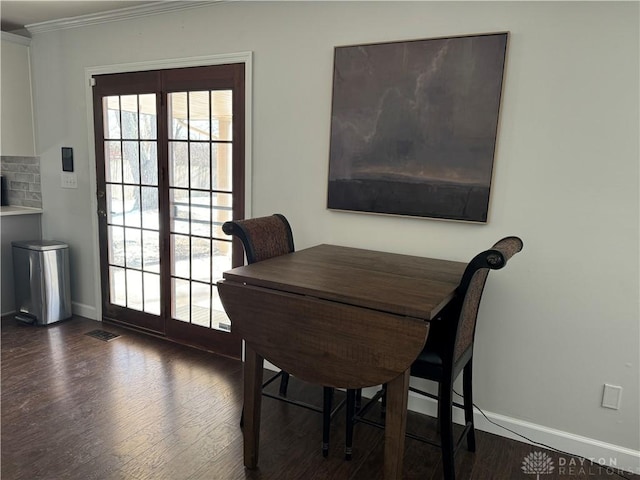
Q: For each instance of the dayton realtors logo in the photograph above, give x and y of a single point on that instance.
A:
(540, 463)
(537, 463)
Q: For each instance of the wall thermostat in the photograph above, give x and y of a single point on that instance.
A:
(67, 159)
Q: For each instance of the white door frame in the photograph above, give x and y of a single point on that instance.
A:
(242, 57)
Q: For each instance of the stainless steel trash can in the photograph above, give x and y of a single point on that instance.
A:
(41, 274)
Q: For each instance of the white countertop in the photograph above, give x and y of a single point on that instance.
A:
(14, 210)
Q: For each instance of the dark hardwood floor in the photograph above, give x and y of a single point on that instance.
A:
(138, 407)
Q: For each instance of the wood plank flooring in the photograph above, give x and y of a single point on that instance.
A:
(142, 408)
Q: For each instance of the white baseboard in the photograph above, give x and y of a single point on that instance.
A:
(80, 309)
(599, 452)
(86, 311)
(595, 450)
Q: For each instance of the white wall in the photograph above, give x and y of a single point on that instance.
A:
(563, 318)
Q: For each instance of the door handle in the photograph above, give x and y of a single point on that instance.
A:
(102, 213)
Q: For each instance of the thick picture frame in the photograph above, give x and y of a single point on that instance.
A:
(414, 126)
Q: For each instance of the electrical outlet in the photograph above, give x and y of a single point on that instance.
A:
(68, 180)
(611, 396)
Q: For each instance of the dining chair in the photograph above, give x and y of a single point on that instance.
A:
(263, 238)
(447, 352)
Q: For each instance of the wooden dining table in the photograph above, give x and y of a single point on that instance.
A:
(338, 317)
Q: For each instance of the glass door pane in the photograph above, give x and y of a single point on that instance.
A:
(132, 210)
(200, 201)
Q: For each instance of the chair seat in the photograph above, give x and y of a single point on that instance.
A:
(428, 365)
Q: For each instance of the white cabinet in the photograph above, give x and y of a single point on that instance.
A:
(16, 104)
(15, 227)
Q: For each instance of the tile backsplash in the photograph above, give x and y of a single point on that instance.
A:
(22, 176)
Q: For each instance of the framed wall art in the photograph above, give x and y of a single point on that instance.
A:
(414, 125)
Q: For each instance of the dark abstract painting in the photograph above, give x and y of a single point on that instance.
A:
(414, 124)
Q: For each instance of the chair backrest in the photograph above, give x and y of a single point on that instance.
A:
(262, 237)
(471, 287)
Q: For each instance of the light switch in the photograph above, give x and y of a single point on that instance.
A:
(68, 180)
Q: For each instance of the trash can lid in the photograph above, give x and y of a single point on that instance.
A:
(40, 245)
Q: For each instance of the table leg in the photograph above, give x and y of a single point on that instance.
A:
(252, 402)
(395, 426)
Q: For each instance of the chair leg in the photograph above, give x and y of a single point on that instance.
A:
(358, 398)
(284, 383)
(446, 429)
(383, 402)
(326, 419)
(351, 407)
(467, 391)
(439, 419)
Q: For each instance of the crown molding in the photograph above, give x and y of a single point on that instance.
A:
(119, 14)
(12, 38)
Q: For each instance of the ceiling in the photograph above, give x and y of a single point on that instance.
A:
(14, 15)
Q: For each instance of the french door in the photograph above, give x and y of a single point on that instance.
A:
(170, 171)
